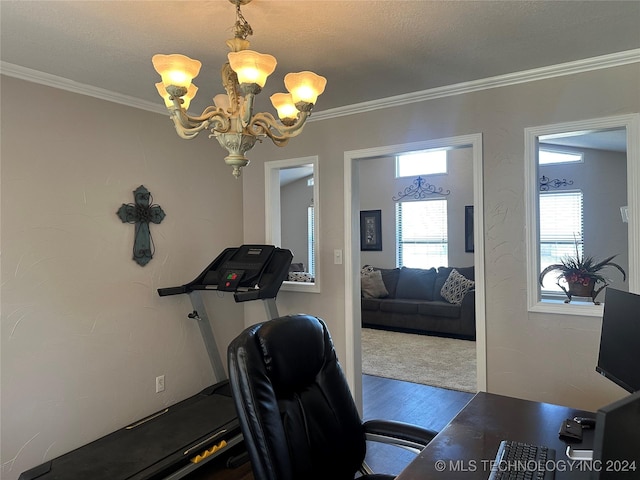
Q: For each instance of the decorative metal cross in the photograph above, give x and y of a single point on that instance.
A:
(141, 213)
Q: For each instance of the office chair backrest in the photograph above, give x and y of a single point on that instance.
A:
(297, 415)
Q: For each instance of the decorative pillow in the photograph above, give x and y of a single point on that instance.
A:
(390, 278)
(416, 283)
(372, 285)
(455, 287)
(300, 277)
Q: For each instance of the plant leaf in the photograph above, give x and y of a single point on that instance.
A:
(550, 268)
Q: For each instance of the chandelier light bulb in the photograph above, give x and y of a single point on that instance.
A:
(177, 72)
(283, 103)
(252, 67)
(305, 87)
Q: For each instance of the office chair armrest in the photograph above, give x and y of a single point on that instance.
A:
(405, 435)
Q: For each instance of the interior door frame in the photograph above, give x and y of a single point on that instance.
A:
(353, 360)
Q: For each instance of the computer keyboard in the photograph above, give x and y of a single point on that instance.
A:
(523, 461)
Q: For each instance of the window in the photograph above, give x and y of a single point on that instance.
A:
(287, 218)
(554, 157)
(427, 162)
(421, 233)
(560, 230)
(311, 239)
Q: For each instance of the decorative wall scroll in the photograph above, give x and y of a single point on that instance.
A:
(141, 213)
(420, 190)
(546, 183)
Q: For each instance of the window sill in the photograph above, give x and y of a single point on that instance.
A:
(305, 287)
(576, 307)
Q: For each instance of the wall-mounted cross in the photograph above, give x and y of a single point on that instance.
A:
(141, 213)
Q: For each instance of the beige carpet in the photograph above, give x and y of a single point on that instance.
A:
(437, 361)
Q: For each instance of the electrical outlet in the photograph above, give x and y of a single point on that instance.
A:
(160, 384)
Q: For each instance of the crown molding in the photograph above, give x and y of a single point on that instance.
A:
(569, 68)
(62, 83)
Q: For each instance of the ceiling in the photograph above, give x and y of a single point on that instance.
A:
(614, 140)
(367, 49)
(290, 175)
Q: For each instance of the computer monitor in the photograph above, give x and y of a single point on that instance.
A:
(616, 444)
(619, 357)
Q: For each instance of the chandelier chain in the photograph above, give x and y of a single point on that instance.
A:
(242, 29)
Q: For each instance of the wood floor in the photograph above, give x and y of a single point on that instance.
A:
(430, 407)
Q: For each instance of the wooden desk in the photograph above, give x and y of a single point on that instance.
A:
(470, 441)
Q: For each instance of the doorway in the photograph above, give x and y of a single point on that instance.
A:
(353, 364)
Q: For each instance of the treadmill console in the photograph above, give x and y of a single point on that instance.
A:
(239, 267)
(250, 271)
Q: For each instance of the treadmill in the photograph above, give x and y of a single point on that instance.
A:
(175, 441)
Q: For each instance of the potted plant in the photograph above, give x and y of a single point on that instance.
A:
(581, 274)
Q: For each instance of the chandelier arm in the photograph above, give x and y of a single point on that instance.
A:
(266, 124)
(188, 127)
(208, 113)
(186, 134)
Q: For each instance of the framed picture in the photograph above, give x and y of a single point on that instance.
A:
(370, 230)
(468, 228)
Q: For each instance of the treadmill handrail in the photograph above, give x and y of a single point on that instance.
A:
(163, 292)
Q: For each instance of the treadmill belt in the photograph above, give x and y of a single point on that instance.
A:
(144, 450)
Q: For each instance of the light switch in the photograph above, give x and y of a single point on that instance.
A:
(337, 257)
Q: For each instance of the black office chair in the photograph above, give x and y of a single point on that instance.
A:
(296, 412)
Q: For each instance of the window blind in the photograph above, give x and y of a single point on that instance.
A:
(560, 229)
(421, 233)
(311, 239)
(561, 217)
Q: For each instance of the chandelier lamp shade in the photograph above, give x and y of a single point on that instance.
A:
(231, 119)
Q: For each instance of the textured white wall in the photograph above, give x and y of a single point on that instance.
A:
(84, 332)
(535, 356)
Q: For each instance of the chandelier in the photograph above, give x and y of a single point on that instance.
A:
(231, 119)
